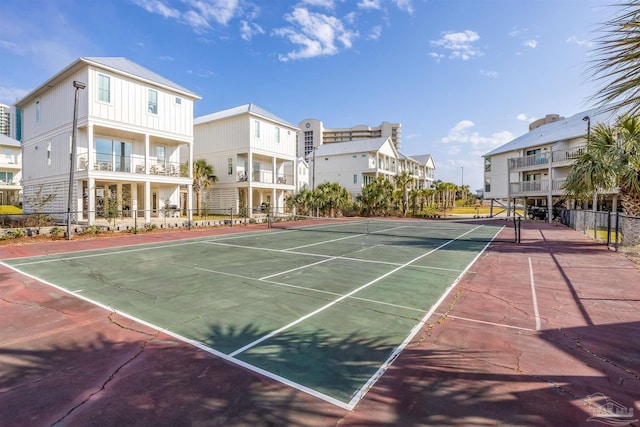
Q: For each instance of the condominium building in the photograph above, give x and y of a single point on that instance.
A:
(10, 166)
(313, 134)
(532, 168)
(5, 120)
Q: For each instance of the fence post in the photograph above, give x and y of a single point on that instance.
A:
(617, 230)
(595, 225)
(135, 221)
(608, 229)
(231, 214)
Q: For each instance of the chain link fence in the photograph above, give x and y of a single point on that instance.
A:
(615, 229)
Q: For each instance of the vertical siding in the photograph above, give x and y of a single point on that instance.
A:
(129, 105)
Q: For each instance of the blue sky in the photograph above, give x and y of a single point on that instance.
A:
(462, 76)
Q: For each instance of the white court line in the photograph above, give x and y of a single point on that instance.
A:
(196, 344)
(297, 268)
(337, 300)
(304, 288)
(363, 390)
(535, 298)
(288, 251)
(466, 319)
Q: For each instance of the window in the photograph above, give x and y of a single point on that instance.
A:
(49, 153)
(487, 164)
(278, 135)
(230, 166)
(308, 142)
(104, 88)
(256, 129)
(6, 177)
(355, 156)
(355, 178)
(160, 153)
(178, 100)
(153, 101)
(38, 111)
(487, 185)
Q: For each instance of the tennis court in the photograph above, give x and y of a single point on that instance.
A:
(323, 308)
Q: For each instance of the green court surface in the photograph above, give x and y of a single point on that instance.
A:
(324, 309)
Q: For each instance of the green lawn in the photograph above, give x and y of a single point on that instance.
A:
(10, 210)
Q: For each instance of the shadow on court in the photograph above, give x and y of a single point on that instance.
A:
(479, 362)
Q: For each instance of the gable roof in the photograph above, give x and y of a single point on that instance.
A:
(354, 146)
(118, 65)
(125, 66)
(252, 109)
(569, 128)
(5, 140)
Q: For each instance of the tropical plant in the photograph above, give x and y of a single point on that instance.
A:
(332, 198)
(203, 179)
(615, 61)
(611, 160)
(403, 181)
(375, 198)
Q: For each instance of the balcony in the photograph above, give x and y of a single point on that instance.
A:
(106, 162)
(535, 161)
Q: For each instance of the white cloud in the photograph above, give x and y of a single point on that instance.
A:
(329, 4)
(9, 95)
(530, 43)
(316, 34)
(167, 58)
(524, 118)
(490, 74)
(462, 133)
(459, 44)
(249, 29)
(196, 21)
(375, 33)
(222, 11)
(202, 73)
(406, 5)
(158, 7)
(370, 4)
(583, 43)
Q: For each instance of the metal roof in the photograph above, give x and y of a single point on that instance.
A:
(115, 64)
(5, 140)
(242, 109)
(354, 146)
(564, 129)
(126, 66)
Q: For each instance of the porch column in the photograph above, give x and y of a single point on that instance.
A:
(614, 203)
(274, 178)
(274, 201)
(91, 148)
(119, 195)
(78, 200)
(146, 153)
(147, 201)
(91, 189)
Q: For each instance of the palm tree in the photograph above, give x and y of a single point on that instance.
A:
(375, 197)
(332, 198)
(203, 178)
(611, 160)
(615, 62)
(402, 182)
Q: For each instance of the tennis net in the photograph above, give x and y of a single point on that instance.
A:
(405, 228)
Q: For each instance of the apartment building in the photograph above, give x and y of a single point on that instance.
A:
(10, 170)
(5, 120)
(532, 168)
(253, 153)
(313, 134)
(132, 126)
(354, 164)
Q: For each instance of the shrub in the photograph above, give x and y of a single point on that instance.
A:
(56, 231)
(150, 226)
(15, 233)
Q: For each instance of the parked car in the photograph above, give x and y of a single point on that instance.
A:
(540, 212)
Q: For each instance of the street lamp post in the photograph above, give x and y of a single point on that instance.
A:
(78, 85)
(462, 176)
